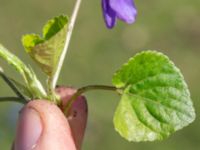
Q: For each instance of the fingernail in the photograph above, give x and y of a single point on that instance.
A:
(29, 129)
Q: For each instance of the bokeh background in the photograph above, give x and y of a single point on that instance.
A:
(170, 26)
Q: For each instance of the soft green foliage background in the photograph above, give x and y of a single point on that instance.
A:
(96, 53)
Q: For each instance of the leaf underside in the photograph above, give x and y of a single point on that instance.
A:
(32, 84)
(155, 102)
(46, 50)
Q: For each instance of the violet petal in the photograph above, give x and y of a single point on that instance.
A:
(109, 14)
(125, 9)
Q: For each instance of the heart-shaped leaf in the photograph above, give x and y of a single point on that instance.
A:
(46, 50)
(155, 101)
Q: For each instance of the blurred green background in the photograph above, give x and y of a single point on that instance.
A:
(170, 26)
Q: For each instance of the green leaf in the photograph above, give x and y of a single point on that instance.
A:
(32, 84)
(155, 101)
(46, 50)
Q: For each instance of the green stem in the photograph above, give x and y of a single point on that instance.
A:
(67, 41)
(12, 86)
(85, 89)
(12, 99)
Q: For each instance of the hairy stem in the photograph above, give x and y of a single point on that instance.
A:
(67, 41)
(12, 99)
(85, 89)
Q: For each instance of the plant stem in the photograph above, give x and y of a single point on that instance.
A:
(85, 89)
(12, 86)
(67, 41)
(12, 99)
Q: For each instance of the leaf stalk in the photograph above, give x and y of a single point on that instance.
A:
(12, 86)
(67, 41)
(13, 99)
(85, 89)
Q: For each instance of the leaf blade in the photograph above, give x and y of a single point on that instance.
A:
(155, 97)
(46, 50)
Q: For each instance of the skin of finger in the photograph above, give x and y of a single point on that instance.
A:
(56, 133)
(78, 113)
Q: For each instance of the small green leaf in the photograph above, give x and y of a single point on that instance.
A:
(155, 102)
(32, 84)
(46, 50)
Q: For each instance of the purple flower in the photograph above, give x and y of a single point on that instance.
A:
(118, 9)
